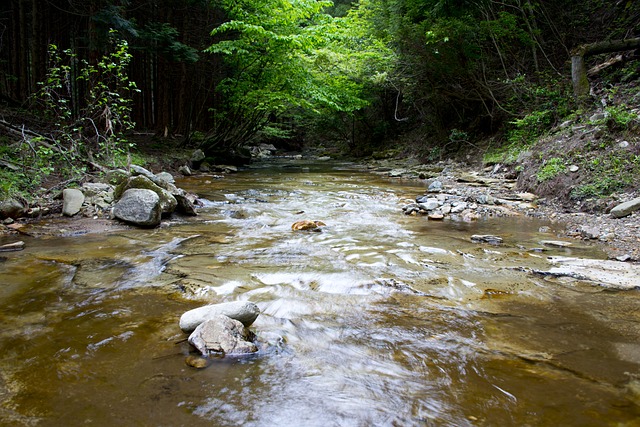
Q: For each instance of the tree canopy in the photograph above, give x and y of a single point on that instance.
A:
(364, 71)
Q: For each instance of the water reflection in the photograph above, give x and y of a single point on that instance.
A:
(380, 319)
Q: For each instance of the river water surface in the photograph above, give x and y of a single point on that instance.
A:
(381, 319)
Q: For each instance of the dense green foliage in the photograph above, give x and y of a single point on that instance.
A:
(288, 58)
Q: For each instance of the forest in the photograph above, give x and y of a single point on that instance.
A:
(78, 79)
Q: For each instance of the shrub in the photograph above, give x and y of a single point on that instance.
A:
(550, 169)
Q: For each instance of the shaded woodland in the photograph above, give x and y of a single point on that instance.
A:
(360, 74)
(177, 83)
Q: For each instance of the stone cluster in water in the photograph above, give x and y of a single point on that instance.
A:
(220, 329)
(140, 197)
(438, 205)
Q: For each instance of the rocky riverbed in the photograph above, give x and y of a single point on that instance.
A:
(457, 192)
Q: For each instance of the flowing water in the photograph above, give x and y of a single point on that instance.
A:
(381, 319)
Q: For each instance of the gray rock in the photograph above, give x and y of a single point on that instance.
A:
(485, 199)
(598, 117)
(430, 204)
(471, 178)
(262, 151)
(90, 189)
(185, 170)
(435, 187)
(139, 170)
(15, 246)
(164, 177)
(606, 273)
(139, 206)
(458, 207)
(11, 208)
(221, 334)
(411, 209)
(526, 197)
(588, 232)
(197, 156)
(168, 202)
(242, 311)
(626, 208)
(227, 168)
(556, 243)
(185, 205)
(267, 147)
(397, 173)
(72, 200)
(98, 194)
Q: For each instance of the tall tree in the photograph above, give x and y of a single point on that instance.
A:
(284, 56)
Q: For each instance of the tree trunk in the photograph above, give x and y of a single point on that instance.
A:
(23, 75)
(581, 86)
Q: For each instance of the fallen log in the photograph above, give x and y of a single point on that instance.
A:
(581, 86)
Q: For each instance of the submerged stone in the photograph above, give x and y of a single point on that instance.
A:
(197, 362)
(307, 225)
(486, 238)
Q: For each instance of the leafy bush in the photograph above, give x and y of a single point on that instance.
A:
(619, 117)
(525, 130)
(95, 127)
(610, 173)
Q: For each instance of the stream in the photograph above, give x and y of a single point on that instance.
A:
(380, 319)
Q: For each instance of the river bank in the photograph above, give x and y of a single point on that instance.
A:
(620, 237)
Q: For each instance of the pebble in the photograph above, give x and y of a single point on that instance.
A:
(198, 362)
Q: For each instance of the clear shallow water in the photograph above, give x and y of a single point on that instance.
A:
(380, 319)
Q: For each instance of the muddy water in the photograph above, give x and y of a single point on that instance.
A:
(380, 319)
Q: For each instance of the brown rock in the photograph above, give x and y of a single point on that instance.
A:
(307, 225)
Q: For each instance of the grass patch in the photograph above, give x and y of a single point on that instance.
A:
(550, 169)
(608, 173)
